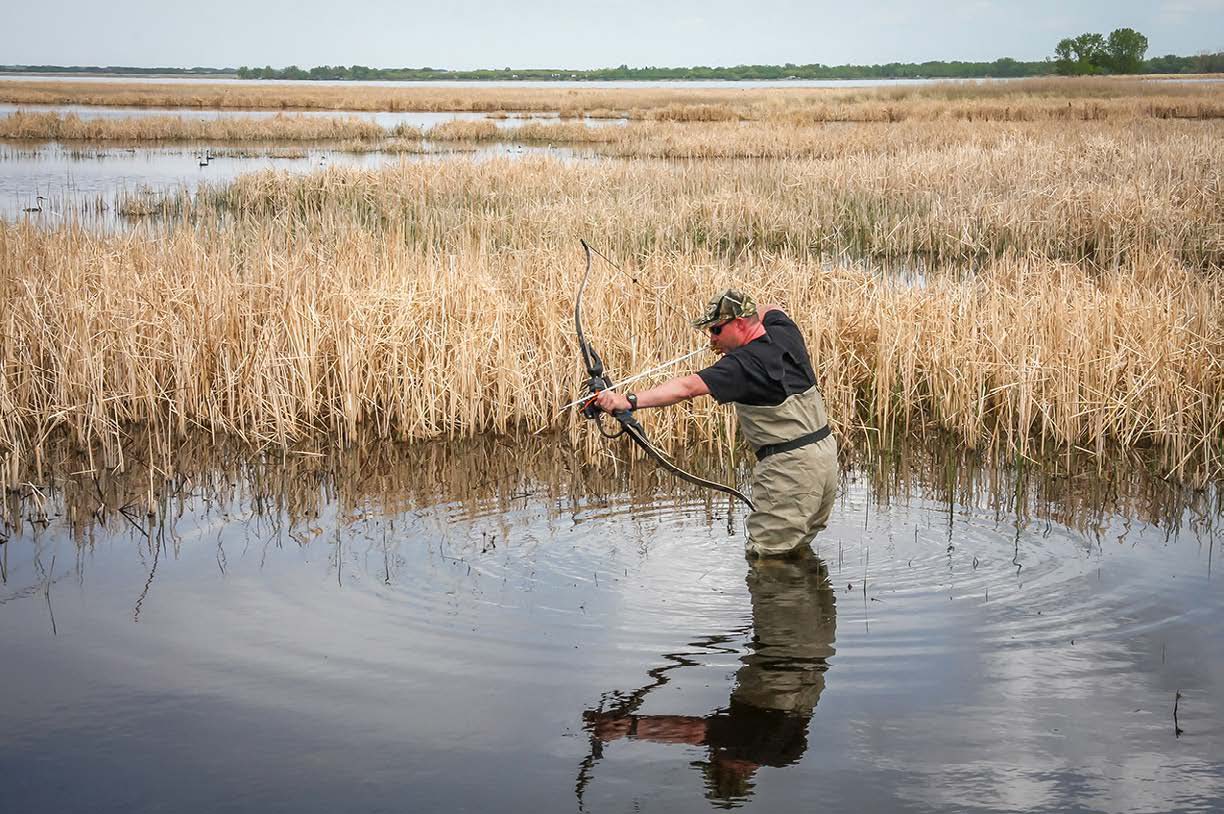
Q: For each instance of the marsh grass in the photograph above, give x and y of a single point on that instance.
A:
(960, 191)
(435, 300)
(70, 127)
(1078, 194)
(1026, 268)
(1057, 99)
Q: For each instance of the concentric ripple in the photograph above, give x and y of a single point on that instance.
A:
(933, 656)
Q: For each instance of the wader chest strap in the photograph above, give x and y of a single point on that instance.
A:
(786, 446)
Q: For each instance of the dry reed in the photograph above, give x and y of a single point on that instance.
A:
(1022, 100)
(429, 300)
(281, 127)
(952, 194)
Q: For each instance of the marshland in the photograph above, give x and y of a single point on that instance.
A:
(285, 468)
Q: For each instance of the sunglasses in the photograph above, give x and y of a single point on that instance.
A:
(715, 330)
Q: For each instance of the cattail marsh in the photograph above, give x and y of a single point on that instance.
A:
(289, 517)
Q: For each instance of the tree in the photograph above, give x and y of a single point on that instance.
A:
(1064, 57)
(1124, 51)
(1169, 63)
(1209, 63)
(1080, 55)
(1090, 52)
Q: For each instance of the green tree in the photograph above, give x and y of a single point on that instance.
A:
(1090, 52)
(1085, 54)
(1124, 50)
(1169, 63)
(1064, 57)
(1209, 63)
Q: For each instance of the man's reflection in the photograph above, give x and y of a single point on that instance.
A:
(775, 691)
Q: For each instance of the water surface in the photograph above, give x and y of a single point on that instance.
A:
(596, 84)
(498, 626)
(91, 182)
(383, 118)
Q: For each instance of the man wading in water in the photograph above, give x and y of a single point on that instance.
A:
(766, 373)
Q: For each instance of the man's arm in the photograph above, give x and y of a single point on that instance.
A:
(656, 728)
(762, 310)
(671, 391)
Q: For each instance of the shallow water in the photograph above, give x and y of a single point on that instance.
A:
(498, 627)
(383, 118)
(665, 83)
(89, 182)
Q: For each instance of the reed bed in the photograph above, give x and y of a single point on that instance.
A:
(1066, 194)
(1077, 146)
(281, 127)
(1022, 100)
(435, 300)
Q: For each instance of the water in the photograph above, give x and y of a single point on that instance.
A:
(499, 627)
(383, 118)
(663, 83)
(92, 179)
(89, 183)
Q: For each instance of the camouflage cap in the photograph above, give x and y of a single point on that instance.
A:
(729, 304)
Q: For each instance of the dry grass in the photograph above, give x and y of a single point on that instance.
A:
(281, 127)
(466, 131)
(1062, 286)
(959, 191)
(435, 300)
(1024, 100)
(937, 193)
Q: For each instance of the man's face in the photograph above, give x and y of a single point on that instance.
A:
(726, 336)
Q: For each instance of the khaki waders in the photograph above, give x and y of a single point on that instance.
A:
(793, 490)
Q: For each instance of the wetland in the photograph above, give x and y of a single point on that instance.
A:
(372, 629)
(292, 520)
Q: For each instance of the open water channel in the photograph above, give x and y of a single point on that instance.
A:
(89, 182)
(495, 626)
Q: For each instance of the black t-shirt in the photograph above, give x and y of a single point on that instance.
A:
(765, 371)
(769, 737)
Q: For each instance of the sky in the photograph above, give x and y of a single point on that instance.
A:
(465, 34)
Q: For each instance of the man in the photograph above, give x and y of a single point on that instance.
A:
(766, 373)
(776, 689)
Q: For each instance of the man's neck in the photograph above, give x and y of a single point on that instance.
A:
(755, 332)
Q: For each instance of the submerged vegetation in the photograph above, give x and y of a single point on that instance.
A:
(1022, 287)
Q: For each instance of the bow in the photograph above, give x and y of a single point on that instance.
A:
(598, 380)
(618, 705)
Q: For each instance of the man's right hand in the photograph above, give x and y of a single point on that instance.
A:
(611, 402)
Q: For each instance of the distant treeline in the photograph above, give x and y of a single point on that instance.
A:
(893, 70)
(1005, 67)
(116, 70)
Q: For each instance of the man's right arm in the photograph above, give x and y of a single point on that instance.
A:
(673, 391)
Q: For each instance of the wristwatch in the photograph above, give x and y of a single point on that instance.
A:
(632, 401)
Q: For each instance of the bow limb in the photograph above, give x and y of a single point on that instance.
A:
(634, 430)
(597, 380)
(594, 365)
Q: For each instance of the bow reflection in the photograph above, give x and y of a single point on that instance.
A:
(775, 691)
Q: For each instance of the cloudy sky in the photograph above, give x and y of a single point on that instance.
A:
(577, 34)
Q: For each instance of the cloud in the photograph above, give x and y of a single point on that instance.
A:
(1178, 12)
